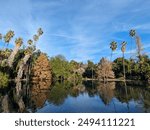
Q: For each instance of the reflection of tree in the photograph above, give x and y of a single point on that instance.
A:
(39, 93)
(106, 91)
(58, 93)
(13, 100)
(127, 93)
(90, 87)
(76, 90)
(5, 104)
(146, 101)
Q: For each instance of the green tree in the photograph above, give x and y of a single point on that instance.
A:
(90, 71)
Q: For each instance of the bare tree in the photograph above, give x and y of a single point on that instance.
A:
(104, 70)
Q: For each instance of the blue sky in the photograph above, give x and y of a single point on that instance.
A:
(78, 29)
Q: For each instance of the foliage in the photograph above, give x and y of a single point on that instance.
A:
(42, 69)
(118, 67)
(132, 33)
(90, 71)
(20, 59)
(4, 79)
(113, 45)
(64, 70)
(136, 70)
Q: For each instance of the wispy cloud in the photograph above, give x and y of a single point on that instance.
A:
(79, 30)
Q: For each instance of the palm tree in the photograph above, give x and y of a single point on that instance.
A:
(18, 43)
(1, 36)
(123, 49)
(35, 38)
(10, 34)
(132, 34)
(40, 31)
(30, 42)
(113, 46)
(28, 54)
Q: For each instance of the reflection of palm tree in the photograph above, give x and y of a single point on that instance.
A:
(123, 48)
(5, 104)
(113, 46)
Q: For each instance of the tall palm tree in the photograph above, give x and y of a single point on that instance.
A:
(11, 58)
(1, 36)
(30, 42)
(123, 49)
(28, 53)
(113, 46)
(35, 38)
(10, 34)
(132, 34)
(40, 31)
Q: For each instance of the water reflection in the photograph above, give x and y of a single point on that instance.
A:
(38, 94)
(106, 91)
(41, 96)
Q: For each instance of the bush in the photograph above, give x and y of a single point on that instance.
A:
(4, 78)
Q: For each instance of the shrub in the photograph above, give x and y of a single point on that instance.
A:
(4, 78)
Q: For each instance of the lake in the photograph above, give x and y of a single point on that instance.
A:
(66, 97)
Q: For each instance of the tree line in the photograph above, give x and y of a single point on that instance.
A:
(28, 63)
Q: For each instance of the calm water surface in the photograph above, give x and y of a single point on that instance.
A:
(86, 97)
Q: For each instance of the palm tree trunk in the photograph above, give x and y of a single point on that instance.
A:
(131, 56)
(92, 73)
(92, 76)
(21, 67)
(12, 56)
(124, 68)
